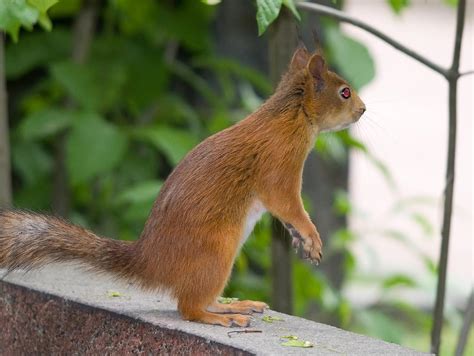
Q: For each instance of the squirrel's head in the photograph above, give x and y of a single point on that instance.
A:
(328, 100)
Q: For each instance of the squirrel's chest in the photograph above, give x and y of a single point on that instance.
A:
(254, 214)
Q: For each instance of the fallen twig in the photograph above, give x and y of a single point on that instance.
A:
(246, 331)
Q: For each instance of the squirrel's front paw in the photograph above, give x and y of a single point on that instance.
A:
(312, 245)
(295, 235)
(312, 248)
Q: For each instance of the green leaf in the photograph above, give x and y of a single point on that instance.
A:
(227, 65)
(398, 280)
(290, 337)
(430, 265)
(147, 77)
(341, 238)
(211, 2)
(398, 5)
(452, 2)
(43, 5)
(380, 325)
(94, 146)
(342, 204)
(95, 86)
(36, 50)
(397, 236)
(267, 12)
(291, 5)
(17, 13)
(197, 83)
(31, 161)
(45, 123)
(351, 141)
(350, 262)
(330, 146)
(423, 222)
(383, 169)
(142, 192)
(67, 8)
(345, 312)
(35, 195)
(351, 57)
(174, 143)
(297, 343)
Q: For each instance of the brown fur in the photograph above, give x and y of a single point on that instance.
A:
(194, 230)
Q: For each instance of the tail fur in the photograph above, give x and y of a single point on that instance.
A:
(29, 240)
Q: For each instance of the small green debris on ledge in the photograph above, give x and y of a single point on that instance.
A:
(271, 319)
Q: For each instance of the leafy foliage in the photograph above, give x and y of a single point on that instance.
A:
(398, 5)
(17, 13)
(94, 147)
(360, 69)
(268, 10)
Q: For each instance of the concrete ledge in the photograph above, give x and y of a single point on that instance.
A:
(64, 310)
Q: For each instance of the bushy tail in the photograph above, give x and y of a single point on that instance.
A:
(29, 240)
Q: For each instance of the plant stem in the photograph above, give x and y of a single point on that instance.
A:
(341, 16)
(452, 76)
(466, 73)
(466, 325)
(83, 33)
(5, 170)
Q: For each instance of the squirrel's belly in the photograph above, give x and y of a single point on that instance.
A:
(254, 214)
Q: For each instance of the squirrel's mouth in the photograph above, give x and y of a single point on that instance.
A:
(357, 115)
(338, 127)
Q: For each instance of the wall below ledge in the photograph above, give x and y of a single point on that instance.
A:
(62, 309)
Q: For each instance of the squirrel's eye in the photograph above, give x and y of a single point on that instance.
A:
(346, 93)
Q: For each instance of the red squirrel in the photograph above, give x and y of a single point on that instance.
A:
(210, 203)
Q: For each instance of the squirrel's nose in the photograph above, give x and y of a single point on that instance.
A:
(362, 110)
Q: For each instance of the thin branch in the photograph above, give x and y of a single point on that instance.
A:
(466, 73)
(466, 325)
(341, 16)
(458, 36)
(453, 76)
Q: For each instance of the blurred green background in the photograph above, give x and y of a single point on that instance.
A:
(108, 96)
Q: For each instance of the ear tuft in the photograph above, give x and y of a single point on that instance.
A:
(300, 58)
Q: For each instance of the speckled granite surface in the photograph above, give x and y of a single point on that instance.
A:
(65, 310)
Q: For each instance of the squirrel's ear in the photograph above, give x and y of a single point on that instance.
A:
(317, 66)
(300, 58)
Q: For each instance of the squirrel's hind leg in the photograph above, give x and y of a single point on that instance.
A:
(205, 280)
